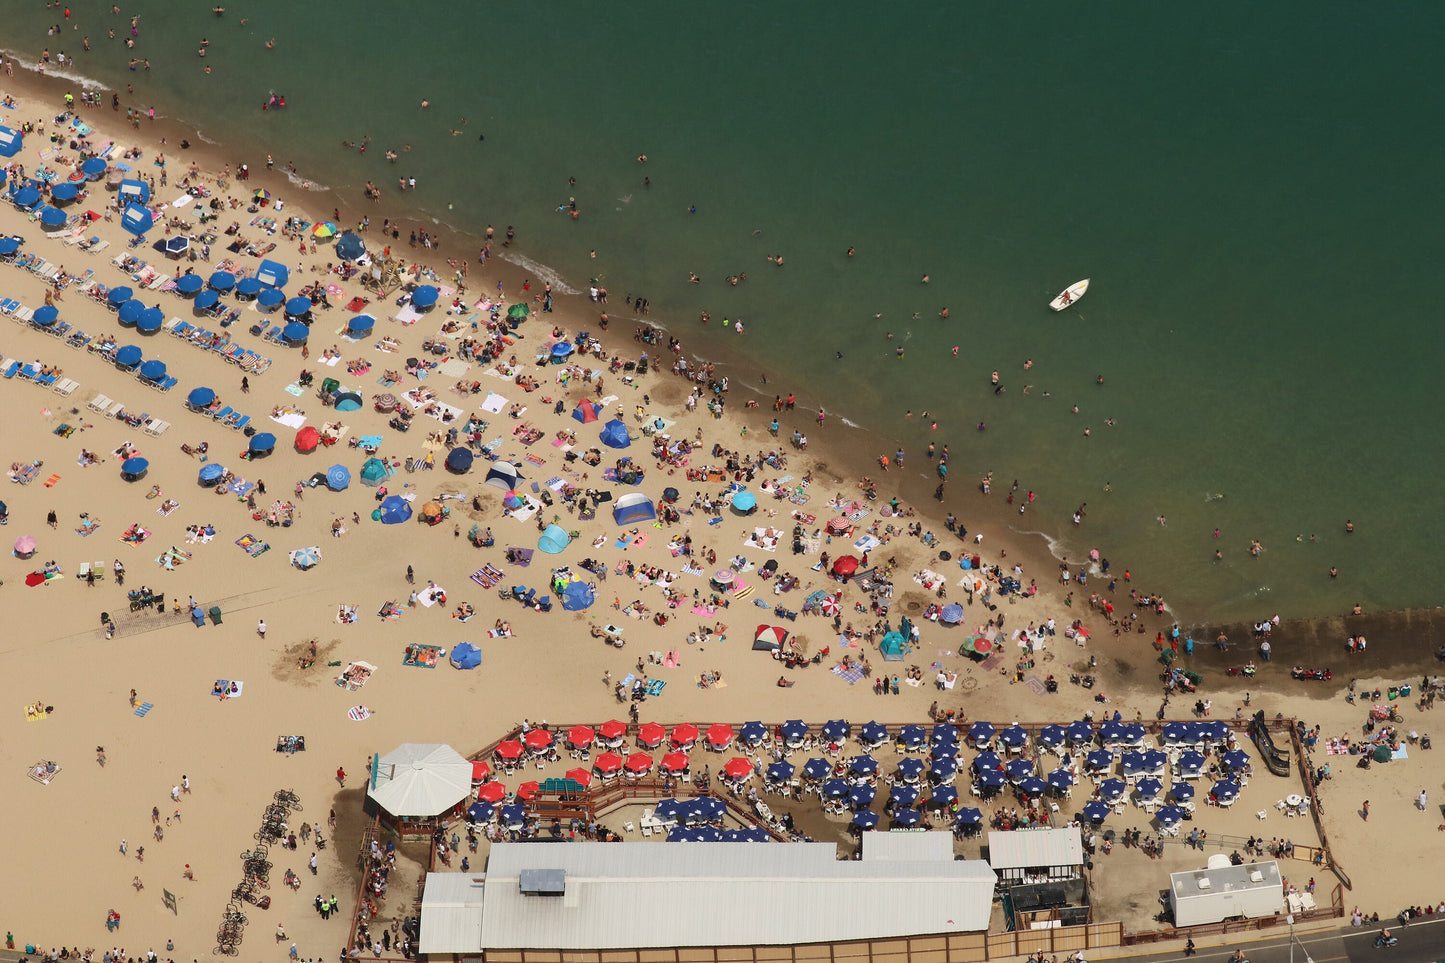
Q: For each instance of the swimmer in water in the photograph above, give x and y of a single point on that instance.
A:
(943, 313)
(955, 351)
(425, 104)
(850, 252)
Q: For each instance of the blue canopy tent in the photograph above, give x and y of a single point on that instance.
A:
(632, 508)
(464, 655)
(298, 307)
(554, 540)
(424, 296)
(338, 478)
(614, 434)
(350, 246)
(205, 301)
(136, 219)
(210, 473)
(578, 597)
(176, 246)
(45, 315)
(63, 193)
(394, 510)
(222, 281)
(248, 288)
(189, 284)
(93, 168)
(11, 142)
(272, 274)
(26, 197)
(200, 397)
(459, 461)
(52, 217)
(892, 647)
(119, 295)
(270, 299)
(151, 320)
(153, 370)
(135, 191)
(744, 502)
(131, 311)
(128, 357)
(295, 333)
(133, 468)
(263, 443)
(361, 324)
(373, 472)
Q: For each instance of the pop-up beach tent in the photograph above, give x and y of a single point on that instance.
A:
(769, 638)
(892, 647)
(273, 274)
(503, 475)
(394, 510)
(373, 472)
(585, 412)
(578, 596)
(464, 655)
(553, 540)
(632, 508)
(614, 434)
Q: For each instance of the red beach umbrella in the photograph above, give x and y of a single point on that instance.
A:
(738, 768)
(839, 525)
(307, 439)
(845, 566)
(539, 739)
(675, 761)
(580, 737)
(492, 792)
(684, 734)
(651, 734)
(612, 729)
(580, 776)
(607, 762)
(719, 734)
(529, 790)
(639, 763)
(509, 749)
(481, 772)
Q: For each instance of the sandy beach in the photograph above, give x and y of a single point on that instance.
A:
(57, 655)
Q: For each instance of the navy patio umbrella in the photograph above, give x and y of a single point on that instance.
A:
(270, 299)
(911, 768)
(211, 473)
(903, 795)
(968, 816)
(481, 812)
(64, 192)
(128, 356)
(861, 797)
(817, 768)
(987, 760)
(1033, 786)
(150, 321)
(248, 288)
(1149, 788)
(863, 766)
(943, 796)
(189, 284)
(153, 370)
(513, 816)
(263, 443)
(132, 468)
(45, 315)
(794, 730)
(295, 332)
(836, 730)
(119, 295)
(136, 219)
(907, 817)
(1113, 789)
(1099, 760)
(1014, 736)
(780, 771)
(52, 217)
(424, 296)
(459, 461)
(752, 733)
(93, 167)
(1079, 732)
(1019, 768)
(298, 307)
(912, 735)
(26, 197)
(1096, 810)
(1181, 792)
(200, 397)
(1233, 759)
(873, 733)
(1224, 789)
(176, 246)
(1060, 779)
(350, 246)
(945, 734)
(222, 281)
(942, 770)
(981, 732)
(835, 788)
(361, 324)
(865, 819)
(1052, 735)
(205, 301)
(1170, 816)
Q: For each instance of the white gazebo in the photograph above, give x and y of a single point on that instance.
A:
(419, 780)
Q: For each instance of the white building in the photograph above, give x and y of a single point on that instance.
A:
(1220, 892)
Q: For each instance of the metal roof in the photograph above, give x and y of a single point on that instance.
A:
(640, 895)
(1226, 879)
(451, 904)
(907, 846)
(1023, 848)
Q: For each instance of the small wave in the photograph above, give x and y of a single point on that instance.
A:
(305, 183)
(848, 421)
(54, 70)
(541, 271)
(202, 135)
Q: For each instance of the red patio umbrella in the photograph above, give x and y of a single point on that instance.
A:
(492, 792)
(529, 790)
(719, 734)
(675, 761)
(481, 772)
(639, 763)
(539, 739)
(651, 734)
(684, 734)
(307, 439)
(580, 737)
(738, 768)
(607, 762)
(509, 749)
(581, 776)
(845, 566)
(612, 729)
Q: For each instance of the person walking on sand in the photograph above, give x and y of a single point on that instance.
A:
(312, 864)
(1365, 811)
(261, 628)
(341, 776)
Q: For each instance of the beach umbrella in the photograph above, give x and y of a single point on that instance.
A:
(578, 597)
(262, 443)
(1113, 789)
(205, 301)
(52, 217)
(675, 761)
(136, 219)
(862, 796)
(1177, 732)
(1079, 732)
(863, 766)
(912, 735)
(222, 281)
(1169, 816)
(304, 558)
(981, 732)
(481, 771)
(836, 730)
(839, 525)
(200, 397)
(580, 737)
(153, 370)
(128, 356)
(45, 315)
(538, 740)
(64, 193)
(613, 730)
(350, 246)
(977, 645)
(942, 796)
(298, 307)
(1096, 810)
(1235, 759)
(270, 299)
(306, 439)
(830, 606)
(911, 769)
(639, 763)
(865, 819)
(132, 468)
(737, 768)
(1225, 789)
(945, 734)
(943, 770)
(1099, 760)
(845, 566)
(987, 760)
(752, 733)
(491, 792)
(968, 816)
(744, 502)
(1148, 788)
(1181, 792)
(1032, 786)
(1132, 735)
(394, 509)
(719, 735)
(1060, 779)
(513, 816)
(323, 230)
(709, 809)
(459, 461)
(952, 613)
(683, 734)
(481, 812)
(360, 324)
(25, 546)
(1014, 736)
(561, 350)
(582, 777)
(903, 795)
(26, 197)
(261, 194)
(1155, 760)
(835, 789)
(464, 655)
(8, 245)
(187, 284)
(1018, 769)
(210, 473)
(348, 401)
(130, 312)
(248, 287)
(150, 320)
(817, 768)
(119, 296)
(509, 749)
(1132, 762)
(338, 477)
(873, 733)
(518, 311)
(424, 296)
(907, 817)
(93, 167)
(794, 730)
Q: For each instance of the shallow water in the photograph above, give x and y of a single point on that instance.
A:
(1250, 188)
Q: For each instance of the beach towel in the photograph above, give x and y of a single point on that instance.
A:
(1036, 684)
(293, 390)
(228, 689)
(35, 712)
(290, 420)
(851, 675)
(423, 656)
(394, 615)
(522, 556)
(144, 708)
(52, 481)
(358, 713)
(536, 459)
(480, 577)
(346, 614)
(654, 686)
(494, 403)
(166, 512)
(432, 596)
(498, 634)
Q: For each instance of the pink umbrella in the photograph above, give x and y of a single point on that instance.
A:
(25, 546)
(839, 524)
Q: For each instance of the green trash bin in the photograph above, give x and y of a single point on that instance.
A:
(215, 615)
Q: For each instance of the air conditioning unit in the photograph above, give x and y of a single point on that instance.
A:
(1204, 882)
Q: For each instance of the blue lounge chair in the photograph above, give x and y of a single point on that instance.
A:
(241, 425)
(170, 382)
(222, 413)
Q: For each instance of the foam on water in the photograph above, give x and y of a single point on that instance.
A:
(52, 70)
(543, 273)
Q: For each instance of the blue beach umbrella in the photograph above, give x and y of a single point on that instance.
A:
(1132, 735)
(210, 473)
(459, 461)
(9, 245)
(981, 732)
(873, 733)
(298, 307)
(464, 655)
(743, 502)
(26, 197)
(270, 299)
(1177, 732)
(52, 217)
(1113, 789)
(1132, 762)
(1014, 737)
(1096, 810)
(912, 735)
(911, 768)
(130, 312)
(863, 766)
(903, 795)
(136, 219)
(1033, 786)
(1052, 735)
(1149, 788)
(1099, 760)
(835, 788)
(968, 816)
(222, 281)
(987, 760)
(794, 730)
(861, 797)
(1192, 761)
(64, 193)
(1181, 792)
(295, 332)
(865, 819)
(305, 558)
(1060, 779)
(350, 246)
(752, 733)
(205, 301)
(361, 324)
(424, 296)
(1019, 768)
(907, 817)
(942, 796)
(93, 167)
(1079, 733)
(200, 397)
(133, 468)
(45, 315)
(150, 321)
(481, 812)
(153, 370)
(990, 779)
(128, 356)
(263, 443)
(817, 768)
(189, 284)
(248, 287)
(119, 295)
(942, 770)
(338, 477)
(561, 350)
(780, 771)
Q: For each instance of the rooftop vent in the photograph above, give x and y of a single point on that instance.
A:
(543, 882)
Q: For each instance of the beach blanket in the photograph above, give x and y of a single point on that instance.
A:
(422, 656)
(522, 556)
(654, 686)
(227, 689)
(536, 460)
(35, 712)
(929, 579)
(867, 543)
(290, 419)
(432, 595)
(357, 674)
(52, 481)
(293, 390)
(144, 708)
(494, 403)
(290, 744)
(43, 771)
(524, 512)
(850, 674)
(761, 539)
(453, 368)
(163, 511)
(346, 614)
(253, 545)
(358, 713)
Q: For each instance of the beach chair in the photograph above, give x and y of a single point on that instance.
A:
(170, 326)
(156, 428)
(23, 314)
(98, 404)
(97, 247)
(169, 382)
(240, 425)
(183, 330)
(45, 380)
(219, 415)
(116, 409)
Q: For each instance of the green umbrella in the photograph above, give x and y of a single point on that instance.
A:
(518, 311)
(1382, 754)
